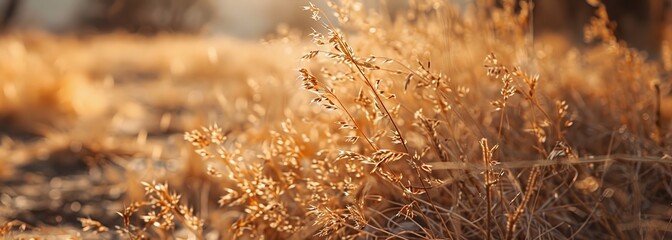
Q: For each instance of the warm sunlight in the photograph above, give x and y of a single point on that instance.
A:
(351, 119)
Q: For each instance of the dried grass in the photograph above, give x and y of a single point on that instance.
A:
(434, 124)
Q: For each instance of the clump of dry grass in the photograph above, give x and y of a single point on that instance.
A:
(400, 157)
(395, 150)
(161, 210)
(433, 123)
(412, 127)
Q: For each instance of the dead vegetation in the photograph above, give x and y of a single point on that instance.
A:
(435, 124)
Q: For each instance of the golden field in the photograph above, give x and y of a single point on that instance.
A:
(438, 122)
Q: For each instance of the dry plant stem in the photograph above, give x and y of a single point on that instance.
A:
(537, 105)
(488, 183)
(501, 123)
(659, 127)
(352, 119)
(512, 219)
(594, 209)
(344, 49)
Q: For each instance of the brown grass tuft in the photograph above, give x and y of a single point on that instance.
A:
(434, 122)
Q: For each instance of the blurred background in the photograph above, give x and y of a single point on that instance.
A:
(244, 19)
(640, 23)
(241, 18)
